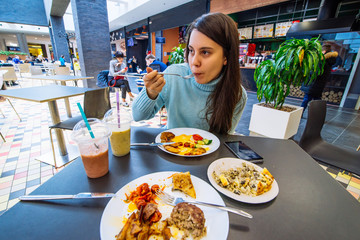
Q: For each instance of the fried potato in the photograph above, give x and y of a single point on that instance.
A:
(172, 149)
(198, 151)
(166, 136)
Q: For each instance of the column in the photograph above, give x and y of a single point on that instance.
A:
(53, 44)
(60, 45)
(158, 46)
(3, 44)
(22, 42)
(92, 37)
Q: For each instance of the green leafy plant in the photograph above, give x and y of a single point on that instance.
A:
(177, 55)
(296, 62)
(7, 53)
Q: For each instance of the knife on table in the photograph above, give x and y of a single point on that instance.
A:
(76, 196)
(151, 144)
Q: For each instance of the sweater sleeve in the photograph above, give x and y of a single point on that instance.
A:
(239, 109)
(145, 108)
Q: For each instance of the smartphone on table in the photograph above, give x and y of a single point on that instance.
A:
(243, 151)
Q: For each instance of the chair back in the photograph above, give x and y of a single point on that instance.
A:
(2, 72)
(34, 70)
(97, 102)
(314, 123)
(62, 71)
(155, 67)
(24, 68)
(10, 75)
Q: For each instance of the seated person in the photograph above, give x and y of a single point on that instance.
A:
(212, 100)
(151, 60)
(16, 60)
(117, 67)
(62, 61)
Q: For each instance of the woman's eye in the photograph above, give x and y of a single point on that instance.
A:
(205, 52)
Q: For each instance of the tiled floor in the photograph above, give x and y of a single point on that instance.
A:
(20, 173)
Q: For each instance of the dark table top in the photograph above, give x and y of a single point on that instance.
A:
(310, 204)
(44, 93)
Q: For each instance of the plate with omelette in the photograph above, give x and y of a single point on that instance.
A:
(242, 180)
(188, 142)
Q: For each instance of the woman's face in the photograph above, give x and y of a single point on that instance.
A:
(206, 57)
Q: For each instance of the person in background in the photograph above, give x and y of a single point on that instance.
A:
(77, 67)
(151, 60)
(117, 67)
(28, 58)
(9, 59)
(62, 61)
(16, 60)
(338, 62)
(213, 99)
(315, 89)
(133, 65)
(268, 55)
(39, 59)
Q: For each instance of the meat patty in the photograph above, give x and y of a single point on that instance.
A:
(189, 218)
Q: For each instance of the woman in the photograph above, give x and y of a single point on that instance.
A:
(213, 99)
(117, 66)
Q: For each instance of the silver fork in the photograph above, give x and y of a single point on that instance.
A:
(161, 73)
(171, 200)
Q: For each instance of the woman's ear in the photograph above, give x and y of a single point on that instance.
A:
(225, 61)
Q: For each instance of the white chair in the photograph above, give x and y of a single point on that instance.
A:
(62, 71)
(3, 87)
(24, 68)
(10, 75)
(34, 70)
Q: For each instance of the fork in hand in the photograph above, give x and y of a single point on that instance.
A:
(162, 73)
(168, 199)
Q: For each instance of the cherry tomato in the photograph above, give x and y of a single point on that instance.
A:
(197, 137)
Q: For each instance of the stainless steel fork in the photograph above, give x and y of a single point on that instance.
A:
(162, 73)
(171, 200)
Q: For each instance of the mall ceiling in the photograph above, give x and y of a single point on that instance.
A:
(121, 13)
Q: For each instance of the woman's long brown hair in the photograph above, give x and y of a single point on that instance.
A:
(222, 101)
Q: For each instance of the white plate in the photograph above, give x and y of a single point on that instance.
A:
(224, 164)
(191, 131)
(217, 221)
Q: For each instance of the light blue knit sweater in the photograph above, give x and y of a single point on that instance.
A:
(184, 99)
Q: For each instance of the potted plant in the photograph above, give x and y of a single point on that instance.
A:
(177, 55)
(296, 62)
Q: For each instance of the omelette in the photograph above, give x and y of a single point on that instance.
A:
(185, 144)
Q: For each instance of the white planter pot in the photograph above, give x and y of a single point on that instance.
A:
(274, 123)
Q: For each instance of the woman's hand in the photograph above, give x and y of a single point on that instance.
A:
(124, 70)
(153, 83)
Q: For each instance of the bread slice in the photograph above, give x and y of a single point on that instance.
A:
(182, 182)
